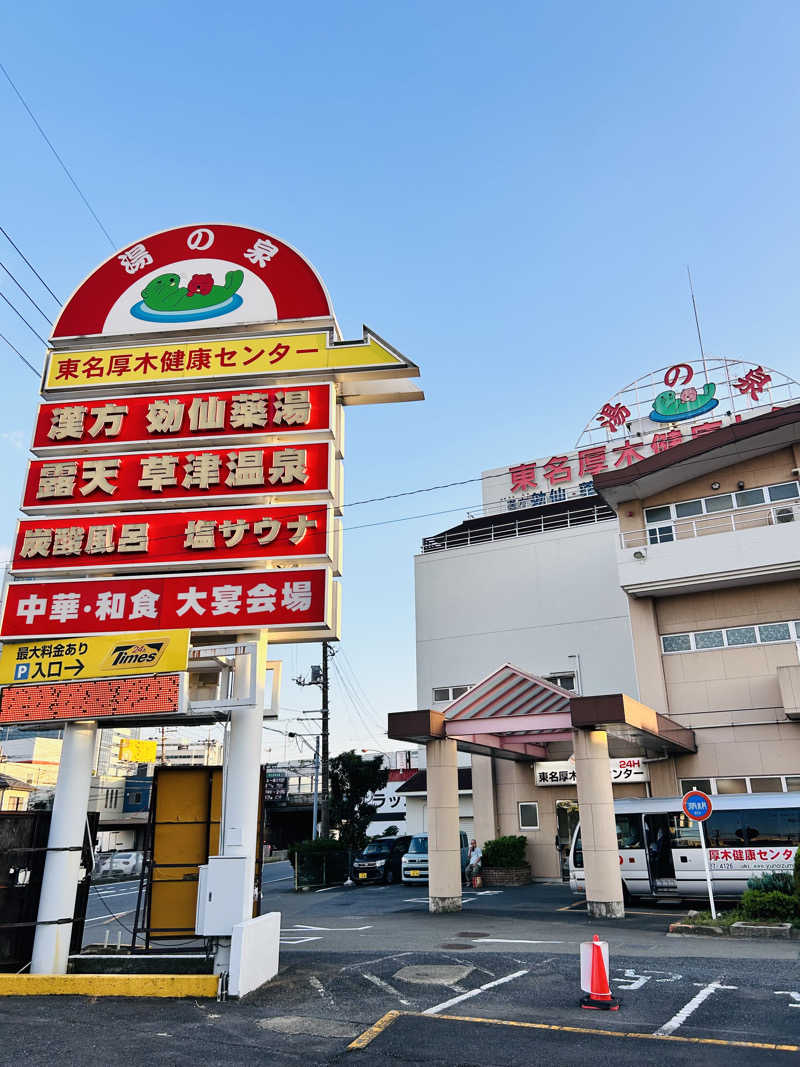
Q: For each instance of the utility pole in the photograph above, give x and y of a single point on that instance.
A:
(326, 809)
(319, 676)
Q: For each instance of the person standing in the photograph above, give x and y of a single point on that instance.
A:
(474, 857)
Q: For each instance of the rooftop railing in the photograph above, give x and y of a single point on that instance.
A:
(669, 531)
(501, 531)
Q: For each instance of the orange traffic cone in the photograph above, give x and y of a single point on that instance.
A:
(599, 998)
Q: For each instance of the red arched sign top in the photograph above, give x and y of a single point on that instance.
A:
(204, 275)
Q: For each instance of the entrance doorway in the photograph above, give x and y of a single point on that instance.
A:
(659, 852)
(567, 818)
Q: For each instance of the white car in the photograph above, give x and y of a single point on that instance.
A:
(126, 864)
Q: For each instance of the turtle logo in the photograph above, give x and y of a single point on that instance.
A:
(165, 300)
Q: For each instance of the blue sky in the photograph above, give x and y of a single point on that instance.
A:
(510, 195)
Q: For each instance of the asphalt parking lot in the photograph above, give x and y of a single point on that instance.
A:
(453, 1007)
(369, 976)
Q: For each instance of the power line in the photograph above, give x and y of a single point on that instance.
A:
(22, 256)
(38, 373)
(427, 489)
(22, 289)
(52, 148)
(21, 316)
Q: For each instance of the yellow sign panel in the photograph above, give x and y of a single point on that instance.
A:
(79, 658)
(279, 354)
(132, 750)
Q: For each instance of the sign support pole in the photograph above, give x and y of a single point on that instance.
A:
(241, 775)
(64, 847)
(708, 869)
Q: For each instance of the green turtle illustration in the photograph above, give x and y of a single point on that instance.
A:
(164, 293)
(670, 406)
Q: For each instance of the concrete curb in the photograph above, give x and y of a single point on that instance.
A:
(109, 985)
(776, 931)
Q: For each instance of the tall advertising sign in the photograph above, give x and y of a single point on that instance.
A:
(187, 455)
(187, 478)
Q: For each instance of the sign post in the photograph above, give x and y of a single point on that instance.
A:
(697, 806)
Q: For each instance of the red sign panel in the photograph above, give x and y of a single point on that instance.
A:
(100, 700)
(160, 538)
(277, 600)
(211, 274)
(101, 483)
(153, 421)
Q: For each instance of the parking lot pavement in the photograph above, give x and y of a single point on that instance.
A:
(525, 919)
(526, 1007)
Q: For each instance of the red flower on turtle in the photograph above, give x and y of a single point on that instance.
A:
(200, 283)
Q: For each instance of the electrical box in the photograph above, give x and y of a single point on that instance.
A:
(221, 896)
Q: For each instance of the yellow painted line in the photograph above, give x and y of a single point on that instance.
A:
(109, 985)
(382, 1024)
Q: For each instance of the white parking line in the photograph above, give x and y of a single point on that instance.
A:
(331, 929)
(680, 1018)
(474, 992)
(379, 982)
(297, 940)
(515, 941)
(109, 918)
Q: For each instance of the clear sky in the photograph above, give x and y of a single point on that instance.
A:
(508, 193)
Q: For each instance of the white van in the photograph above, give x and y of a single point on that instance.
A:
(747, 835)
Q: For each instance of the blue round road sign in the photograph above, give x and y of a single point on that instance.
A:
(697, 805)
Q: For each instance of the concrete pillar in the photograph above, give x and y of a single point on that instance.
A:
(242, 768)
(483, 799)
(598, 825)
(647, 654)
(64, 844)
(444, 848)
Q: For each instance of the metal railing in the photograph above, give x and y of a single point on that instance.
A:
(669, 531)
(537, 524)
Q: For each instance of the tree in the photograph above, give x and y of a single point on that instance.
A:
(352, 780)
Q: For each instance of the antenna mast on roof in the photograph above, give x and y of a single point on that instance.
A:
(697, 322)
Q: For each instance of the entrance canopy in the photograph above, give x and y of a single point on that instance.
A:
(515, 715)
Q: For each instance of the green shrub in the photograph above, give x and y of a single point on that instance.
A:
(505, 852)
(319, 846)
(767, 904)
(780, 882)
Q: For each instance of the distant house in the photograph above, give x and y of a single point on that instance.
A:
(14, 794)
(415, 791)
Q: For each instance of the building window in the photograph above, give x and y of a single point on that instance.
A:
(766, 783)
(676, 643)
(566, 681)
(528, 816)
(657, 518)
(446, 693)
(733, 637)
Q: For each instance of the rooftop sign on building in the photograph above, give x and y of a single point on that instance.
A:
(661, 409)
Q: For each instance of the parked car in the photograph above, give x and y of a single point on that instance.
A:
(380, 861)
(415, 862)
(102, 865)
(126, 864)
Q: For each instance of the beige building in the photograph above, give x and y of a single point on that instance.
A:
(708, 559)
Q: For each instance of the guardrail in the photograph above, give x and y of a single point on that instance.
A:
(706, 525)
(480, 535)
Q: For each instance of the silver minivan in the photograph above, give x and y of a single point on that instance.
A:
(415, 861)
